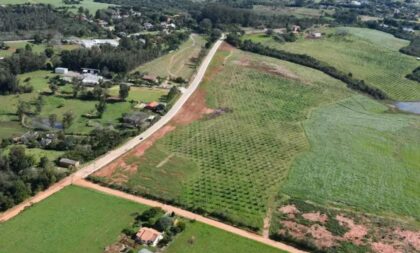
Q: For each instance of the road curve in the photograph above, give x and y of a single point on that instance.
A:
(188, 215)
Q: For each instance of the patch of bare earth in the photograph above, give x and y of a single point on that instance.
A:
(409, 237)
(380, 247)
(315, 217)
(289, 210)
(270, 68)
(323, 237)
(356, 233)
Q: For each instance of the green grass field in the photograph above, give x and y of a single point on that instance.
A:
(177, 63)
(368, 54)
(81, 220)
(59, 104)
(91, 5)
(234, 164)
(209, 239)
(298, 12)
(72, 220)
(360, 157)
(38, 153)
(36, 48)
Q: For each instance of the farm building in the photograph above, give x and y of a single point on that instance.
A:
(91, 79)
(144, 251)
(149, 236)
(60, 70)
(150, 78)
(148, 26)
(90, 71)
(98, 42)
(66, 163)
(315, 35)
(296, 29)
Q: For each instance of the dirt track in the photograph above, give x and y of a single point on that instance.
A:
(188, 215)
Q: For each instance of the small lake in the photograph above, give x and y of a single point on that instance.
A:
(413, 107)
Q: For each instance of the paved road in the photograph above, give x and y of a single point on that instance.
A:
(188, 215)
(114, 154)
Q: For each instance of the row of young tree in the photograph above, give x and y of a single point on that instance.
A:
(307, 61)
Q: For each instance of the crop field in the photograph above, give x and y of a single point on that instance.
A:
(361, 156)
(176, 63)
(209, 239)
(91, 5)
(369, 55)
(234, 163)
(60, 103)
(72, 220)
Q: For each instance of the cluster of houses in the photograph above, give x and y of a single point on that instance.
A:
(88, 76)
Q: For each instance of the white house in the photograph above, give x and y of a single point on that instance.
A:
(60, 70)
(98, 42)
(356, 3)
(91, 79)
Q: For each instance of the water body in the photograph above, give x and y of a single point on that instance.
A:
(413, 107)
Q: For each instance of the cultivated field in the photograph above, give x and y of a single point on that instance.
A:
(200, 238)
(177, 63)
(368, 54)
(81, 220)
(72, 220)
(232, 161)
(361, 156)
(91, 5)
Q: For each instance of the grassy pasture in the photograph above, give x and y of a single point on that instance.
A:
(209, 239)
(177, 62)
(37, 48)
(243, 156)
(369, 55)
(91, 5)
(360, 157)
(61, 103)
(72, 220)
(38, 153)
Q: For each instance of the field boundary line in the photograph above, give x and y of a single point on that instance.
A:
(187, 214)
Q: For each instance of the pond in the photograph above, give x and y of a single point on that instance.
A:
(413, 107)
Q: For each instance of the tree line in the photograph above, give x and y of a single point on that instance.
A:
(307, 61)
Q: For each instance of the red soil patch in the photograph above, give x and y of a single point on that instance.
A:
(194, 109)
(323, 237)
(383, 248)
(290, 210)
(410, 237)
(315, 217)
(356, 233)
(226, 47)
(295, 229)
(273, 69)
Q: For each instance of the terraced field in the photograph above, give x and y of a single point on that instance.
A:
(368, 54)
(238, 155)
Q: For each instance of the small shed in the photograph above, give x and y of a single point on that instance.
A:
(150, 78)
(66, 163)
(61, 70)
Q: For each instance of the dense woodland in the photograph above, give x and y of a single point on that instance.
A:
(21, 176)
(19, 19)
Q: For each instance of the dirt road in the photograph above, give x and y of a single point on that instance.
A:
(188, 215)
(118, 152)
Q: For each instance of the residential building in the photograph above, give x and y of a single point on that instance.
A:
(66, 163)
(149, 236)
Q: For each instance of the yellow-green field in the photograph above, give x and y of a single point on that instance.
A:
(368, 54)
(177, 63)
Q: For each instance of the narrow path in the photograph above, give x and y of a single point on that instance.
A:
(188, 215)
(168, 69)
(267, 223)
